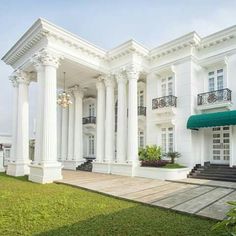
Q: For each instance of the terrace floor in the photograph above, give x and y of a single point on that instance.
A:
(204, 198)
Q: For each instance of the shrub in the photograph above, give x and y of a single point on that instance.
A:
(228, 226)
(151, 156)
(150, 153)
(158, 163)
(172, 156)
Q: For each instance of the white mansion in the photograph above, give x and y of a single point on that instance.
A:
(180, 96)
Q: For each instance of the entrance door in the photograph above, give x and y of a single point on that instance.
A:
(221, 145)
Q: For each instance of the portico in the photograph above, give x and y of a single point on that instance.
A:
(43, 61)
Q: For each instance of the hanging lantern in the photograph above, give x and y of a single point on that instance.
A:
(64, 98)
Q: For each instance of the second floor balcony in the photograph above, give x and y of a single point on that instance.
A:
(217, 98)
(89, 120)
(164, 102)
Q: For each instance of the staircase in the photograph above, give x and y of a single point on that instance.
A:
(214, 172)
(86, 166)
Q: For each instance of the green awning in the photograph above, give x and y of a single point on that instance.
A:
(212, 119)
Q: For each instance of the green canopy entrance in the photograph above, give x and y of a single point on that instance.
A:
(211, 120)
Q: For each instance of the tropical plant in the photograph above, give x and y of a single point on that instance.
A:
(150, 153)
(228, 226)
(172, 156)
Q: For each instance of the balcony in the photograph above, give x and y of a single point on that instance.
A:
(141, 111)
(163, 102)
(90, 120)
(165, 107)
(214, 99)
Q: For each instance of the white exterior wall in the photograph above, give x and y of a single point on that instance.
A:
(152, 92)
(183, 137)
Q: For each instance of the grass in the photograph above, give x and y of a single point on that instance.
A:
(32, 209)
(173, 166)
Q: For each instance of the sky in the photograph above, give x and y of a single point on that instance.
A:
(106, 23)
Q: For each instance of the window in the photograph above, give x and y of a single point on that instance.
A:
(91, 145)
(216, 80)
(167, 87)
(220, 81)
(167, 139)
(91, 110)
(141, 98)
(141, 139)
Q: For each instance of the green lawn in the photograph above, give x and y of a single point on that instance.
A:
(28, 208)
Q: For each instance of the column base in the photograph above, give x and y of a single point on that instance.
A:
(71, 164)
(2, 169)
(17, 169)
(121, 169)
(101, 167)
(45, 173)
(113, 168)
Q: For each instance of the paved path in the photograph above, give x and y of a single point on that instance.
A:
(205, 198)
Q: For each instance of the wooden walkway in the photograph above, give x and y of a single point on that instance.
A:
(194, 198)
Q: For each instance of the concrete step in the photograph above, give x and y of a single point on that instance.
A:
(213, 178)
(87, 166)
(216, 174)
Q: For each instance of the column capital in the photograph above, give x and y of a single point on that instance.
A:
(45, 58)
(121, 78)
(13, 81)
(133, 72)
(20, 77)
(109, 81)
(100, 82)
(77, 91)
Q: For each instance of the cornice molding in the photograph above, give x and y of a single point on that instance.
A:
(43, 29)
(129, 47)
(189, 40)
(218, 38)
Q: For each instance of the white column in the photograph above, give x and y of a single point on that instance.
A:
(110, 121)
(71, 129)
(39, 114)
(122, 118)
(2, 169)
(49, 168)
(14, 118)
(64, 134)
(100, 120)
(78, 129)
(21, 161)
(59, 130)
(133, 76)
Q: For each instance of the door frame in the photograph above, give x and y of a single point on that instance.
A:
(222, 162)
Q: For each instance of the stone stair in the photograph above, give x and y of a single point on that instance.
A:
(214, 172)
(86, 166)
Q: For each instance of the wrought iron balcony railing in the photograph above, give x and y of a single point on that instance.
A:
(141, 111)
(213, 97)
(166, 101)
(89, 120)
